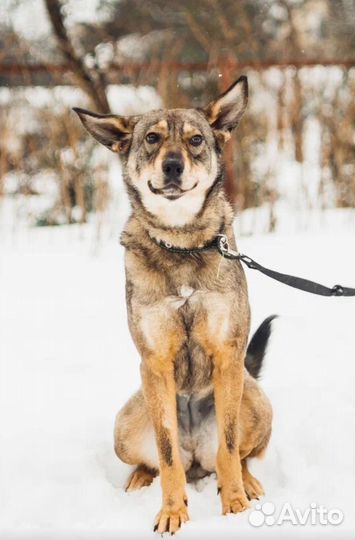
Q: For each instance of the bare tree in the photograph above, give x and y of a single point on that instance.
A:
(90, 81)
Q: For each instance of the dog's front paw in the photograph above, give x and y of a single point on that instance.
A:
(233, 499)
(170, 518)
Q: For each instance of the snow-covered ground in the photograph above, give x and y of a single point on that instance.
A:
(68, 364)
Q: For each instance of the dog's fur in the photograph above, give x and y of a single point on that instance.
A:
(199, 410)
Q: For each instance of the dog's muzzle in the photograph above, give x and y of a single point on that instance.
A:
(171, 190)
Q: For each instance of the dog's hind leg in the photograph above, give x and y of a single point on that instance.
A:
(256, 419)
(254, 433)
(135, 442)
(252, 486)
(142, 476)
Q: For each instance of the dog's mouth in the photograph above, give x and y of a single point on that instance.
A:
(171, 191)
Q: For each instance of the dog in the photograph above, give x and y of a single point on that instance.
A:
(200, 408)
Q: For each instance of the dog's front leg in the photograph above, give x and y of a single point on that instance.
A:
(160, 394)
(228, 389)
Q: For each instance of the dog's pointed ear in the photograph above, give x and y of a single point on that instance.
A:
(114, 132)
(224, 113)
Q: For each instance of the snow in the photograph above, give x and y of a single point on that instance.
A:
(30, 18)
(68, 364)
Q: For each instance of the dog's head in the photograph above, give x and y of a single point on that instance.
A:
(171, 158)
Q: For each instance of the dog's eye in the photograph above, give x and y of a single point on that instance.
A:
(196, 140)
(152, 138)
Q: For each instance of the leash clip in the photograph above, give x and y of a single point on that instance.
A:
(224, 249)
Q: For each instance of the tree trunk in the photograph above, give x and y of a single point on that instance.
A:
(91, 83)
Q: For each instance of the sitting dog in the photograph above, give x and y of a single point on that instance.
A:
(199, 409)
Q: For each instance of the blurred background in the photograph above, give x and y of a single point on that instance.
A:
(293, 152)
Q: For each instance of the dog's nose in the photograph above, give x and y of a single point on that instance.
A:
(173, 166)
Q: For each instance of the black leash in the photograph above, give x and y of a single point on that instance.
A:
(221, 244)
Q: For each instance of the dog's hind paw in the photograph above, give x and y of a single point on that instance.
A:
(142, 476)
(233, 501)
(252, 486)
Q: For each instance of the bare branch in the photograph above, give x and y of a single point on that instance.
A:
(91, 85)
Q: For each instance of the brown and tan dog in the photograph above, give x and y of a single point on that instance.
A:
(199, 409)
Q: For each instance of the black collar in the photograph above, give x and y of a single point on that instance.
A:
(212, 244)
(219, 243)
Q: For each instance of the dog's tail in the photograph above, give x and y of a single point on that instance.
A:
(257, 347)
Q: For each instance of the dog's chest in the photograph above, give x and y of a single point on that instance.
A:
(185, 295)
(185, 291)
(184, 300)
(187, 318)
(193, 364)
(213, 307)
